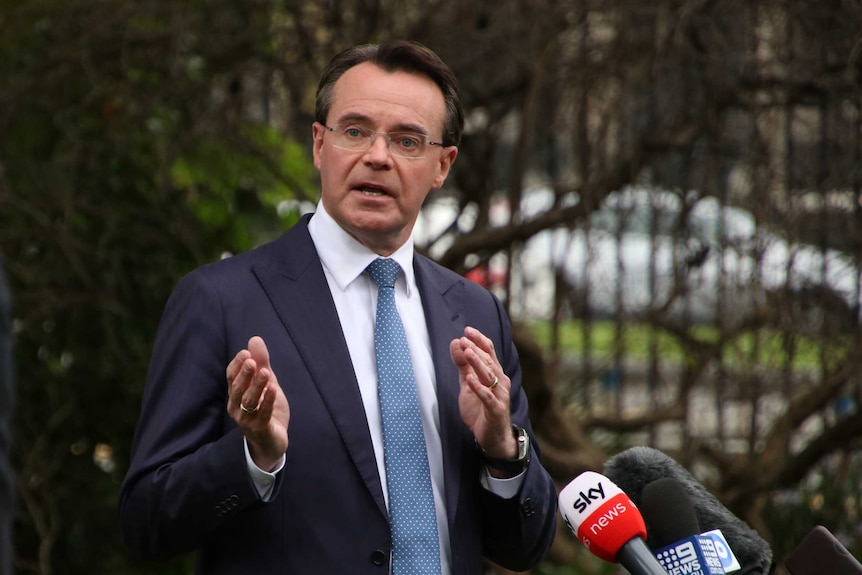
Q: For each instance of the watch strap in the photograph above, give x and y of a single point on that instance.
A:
(516, 465)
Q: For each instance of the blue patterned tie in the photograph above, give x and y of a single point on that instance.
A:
(415, 544)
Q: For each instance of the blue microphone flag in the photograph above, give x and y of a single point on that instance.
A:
(695, 555)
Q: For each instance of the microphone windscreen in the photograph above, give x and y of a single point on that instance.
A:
(668, 512)
(636, 467)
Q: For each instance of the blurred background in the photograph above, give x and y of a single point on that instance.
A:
(666, 195)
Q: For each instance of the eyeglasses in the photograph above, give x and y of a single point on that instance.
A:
(408, 145)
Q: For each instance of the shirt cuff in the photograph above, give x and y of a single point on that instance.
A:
(263, 481)
(504, 488)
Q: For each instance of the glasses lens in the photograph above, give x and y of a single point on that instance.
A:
(353, 139)
(402, 144)
(407, 145)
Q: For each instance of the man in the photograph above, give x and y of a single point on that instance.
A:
(7, 476)
(290, 466)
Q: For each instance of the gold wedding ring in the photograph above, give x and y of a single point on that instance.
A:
(249, 410)
(496, 381)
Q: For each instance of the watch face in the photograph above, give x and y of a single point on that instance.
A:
(523, 443)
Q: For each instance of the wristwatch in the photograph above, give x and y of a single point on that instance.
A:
(516, 465)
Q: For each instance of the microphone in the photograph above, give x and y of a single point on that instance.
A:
(672, 524)
(606, 521)
(636, 467)
(821, 552)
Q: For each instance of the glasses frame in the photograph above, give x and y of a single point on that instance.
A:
(372, 135)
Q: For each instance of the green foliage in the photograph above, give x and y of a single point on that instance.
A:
(119, 172)
(127, 158)
(223, 180)
(830, 497)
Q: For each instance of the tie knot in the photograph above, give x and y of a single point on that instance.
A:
(384, 272)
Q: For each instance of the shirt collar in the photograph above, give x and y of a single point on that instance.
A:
(345, 258)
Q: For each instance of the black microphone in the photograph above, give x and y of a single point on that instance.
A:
(673, 528)
(636, 467)
(821, 552)
(668, 512)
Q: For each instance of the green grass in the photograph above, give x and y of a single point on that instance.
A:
(764, 347)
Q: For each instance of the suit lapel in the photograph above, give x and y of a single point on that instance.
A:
(443, 299)
(294, 281)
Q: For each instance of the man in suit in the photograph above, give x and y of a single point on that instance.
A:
(262, 442)
(7, 476)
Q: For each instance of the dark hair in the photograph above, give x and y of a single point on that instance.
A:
(396, 56)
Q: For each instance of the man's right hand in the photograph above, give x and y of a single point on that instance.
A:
(258, 405)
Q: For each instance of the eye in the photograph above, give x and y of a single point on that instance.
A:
(355, 133)
(407, 141)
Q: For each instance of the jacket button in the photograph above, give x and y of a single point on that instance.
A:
(379, 557)
(527, 508)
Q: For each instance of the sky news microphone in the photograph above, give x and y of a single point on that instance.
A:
(606, 521)
(636, 467)
(672, 524)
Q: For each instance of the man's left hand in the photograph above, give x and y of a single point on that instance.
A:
(484, 395)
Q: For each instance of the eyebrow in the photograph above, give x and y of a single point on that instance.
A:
(363, 119)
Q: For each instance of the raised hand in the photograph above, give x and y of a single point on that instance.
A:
(257, 403)
(484, 396)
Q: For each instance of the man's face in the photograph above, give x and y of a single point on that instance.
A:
(374, 195)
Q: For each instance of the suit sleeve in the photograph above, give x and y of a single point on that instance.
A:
(188, 472)
(518, 532)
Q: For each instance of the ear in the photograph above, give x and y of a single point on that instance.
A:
(447, 158)
(317, 132)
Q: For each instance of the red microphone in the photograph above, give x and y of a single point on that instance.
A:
(606, 521)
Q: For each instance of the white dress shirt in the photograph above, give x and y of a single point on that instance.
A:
(344, 261)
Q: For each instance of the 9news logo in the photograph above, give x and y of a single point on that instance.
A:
(694, 556)
(680, 560)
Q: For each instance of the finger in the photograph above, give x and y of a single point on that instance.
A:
(251, 396)
(481, 341)
(242, 380)
(462, 359)
(267, 403)
(258, 351)
(484, 369)
(456, 352)
(463, 356)
(486, 395)
(235, 365)
(480, 345)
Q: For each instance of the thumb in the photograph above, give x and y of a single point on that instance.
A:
(259, 352)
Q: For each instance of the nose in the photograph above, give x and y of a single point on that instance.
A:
(378, 152)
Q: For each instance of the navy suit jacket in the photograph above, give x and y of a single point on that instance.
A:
(188, 486)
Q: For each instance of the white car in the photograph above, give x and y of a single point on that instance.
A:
(647, 251)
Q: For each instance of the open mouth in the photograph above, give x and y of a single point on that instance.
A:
(372, 191)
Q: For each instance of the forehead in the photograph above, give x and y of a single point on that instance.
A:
(388, 100)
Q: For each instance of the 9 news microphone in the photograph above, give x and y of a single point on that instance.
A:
(672, 524)
(606, 521)
(636, 467)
